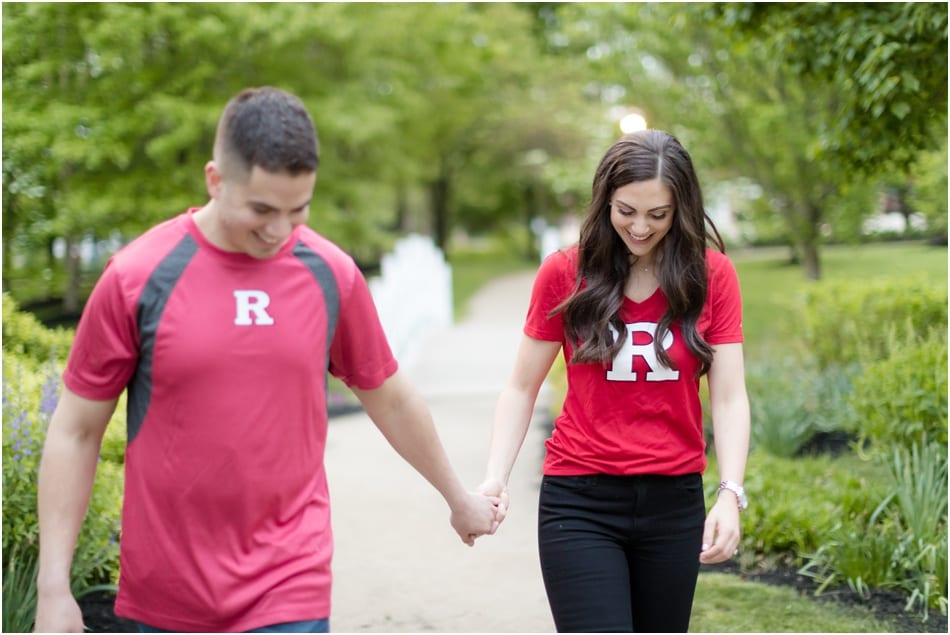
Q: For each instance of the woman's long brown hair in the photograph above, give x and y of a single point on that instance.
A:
(604, 260)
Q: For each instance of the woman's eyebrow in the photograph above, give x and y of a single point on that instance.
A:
(633, 209)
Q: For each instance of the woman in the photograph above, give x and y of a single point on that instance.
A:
(622, 525)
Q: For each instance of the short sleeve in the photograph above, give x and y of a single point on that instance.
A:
(721, 321)
(360, 354)
(552, 285)
(105, 350)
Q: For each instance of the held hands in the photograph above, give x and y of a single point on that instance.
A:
(475, 516)
(495, 489)
(721, 532)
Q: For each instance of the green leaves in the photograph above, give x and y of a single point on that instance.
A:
(111, 110)
(32, 365)
(891, 58)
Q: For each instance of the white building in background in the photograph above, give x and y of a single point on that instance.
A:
(554, 237)
(723, 216)
(892, 222)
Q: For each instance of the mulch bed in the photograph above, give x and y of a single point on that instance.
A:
(99, 617)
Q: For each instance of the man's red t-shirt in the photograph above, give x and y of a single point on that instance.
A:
(634, 416)
(226, 517)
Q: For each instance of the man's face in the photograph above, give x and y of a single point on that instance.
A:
(257, 214)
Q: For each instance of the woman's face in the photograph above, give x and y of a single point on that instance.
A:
(641, 212)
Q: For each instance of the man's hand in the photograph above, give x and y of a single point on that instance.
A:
(57, 613)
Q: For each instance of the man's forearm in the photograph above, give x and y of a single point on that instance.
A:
(412, 433)
(403, 417)
(67, 473)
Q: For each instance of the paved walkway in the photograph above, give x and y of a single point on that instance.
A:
(399, 566)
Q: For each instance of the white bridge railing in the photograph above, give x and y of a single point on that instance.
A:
(413, 295)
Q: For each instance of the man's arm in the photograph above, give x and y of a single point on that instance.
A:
(403, 417)
(67, 473)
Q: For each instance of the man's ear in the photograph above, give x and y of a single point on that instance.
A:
(212, 179)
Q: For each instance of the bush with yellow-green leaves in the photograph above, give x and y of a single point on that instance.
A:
(33, 358)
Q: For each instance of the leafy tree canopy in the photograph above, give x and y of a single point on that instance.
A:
(889, 59)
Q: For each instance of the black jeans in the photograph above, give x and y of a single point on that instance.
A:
(621, 553)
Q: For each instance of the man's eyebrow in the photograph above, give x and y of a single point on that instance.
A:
(261, 205)
(633, 209)
(268, 207)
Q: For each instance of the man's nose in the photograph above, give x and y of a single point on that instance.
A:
(279, 227)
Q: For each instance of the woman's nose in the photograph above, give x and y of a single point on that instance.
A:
(639, 226)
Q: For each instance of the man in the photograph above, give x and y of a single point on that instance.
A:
(222, 323)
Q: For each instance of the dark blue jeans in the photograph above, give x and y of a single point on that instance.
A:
(621, 553)
(307, 626)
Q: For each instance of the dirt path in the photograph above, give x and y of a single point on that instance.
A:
(399, 567)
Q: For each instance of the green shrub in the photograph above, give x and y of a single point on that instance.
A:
(919, 478)
(903, 544)
(115, 439)
(929, 194)
(864, 556)
(919, 502)
(25, 336)
(902, 400)
(19, 590)
(796, 503)
(791, 402)
(847, 321)
(29, 397)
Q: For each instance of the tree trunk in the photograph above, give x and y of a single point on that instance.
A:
(808, 245)
(71, 292)
(401, 222)
(903, 202)
(811, 262)
(439, 191)
(7, 263)
(530, 213)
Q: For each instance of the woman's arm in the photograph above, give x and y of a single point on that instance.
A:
(513, 414)
(729, 403)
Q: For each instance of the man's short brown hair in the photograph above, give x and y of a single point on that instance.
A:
(269, 128)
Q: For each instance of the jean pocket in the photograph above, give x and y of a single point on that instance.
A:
(577, 483)
(690, 483)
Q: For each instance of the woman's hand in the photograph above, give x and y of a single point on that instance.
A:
(722, 531)
(496, 490)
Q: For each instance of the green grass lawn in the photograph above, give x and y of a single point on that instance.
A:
(728, 604)
(471, 270)
(770, 285)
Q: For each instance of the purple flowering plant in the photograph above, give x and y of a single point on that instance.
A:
(31, 389)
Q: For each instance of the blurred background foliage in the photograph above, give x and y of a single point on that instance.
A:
(465, 120)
